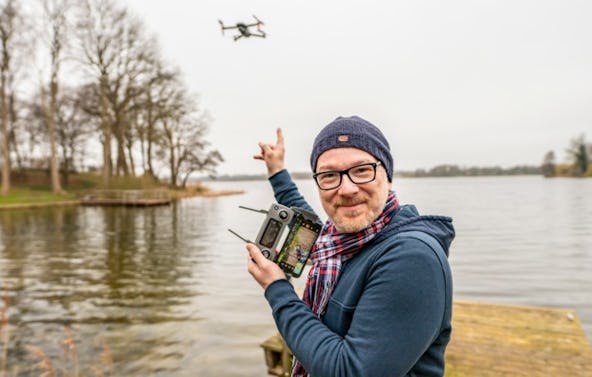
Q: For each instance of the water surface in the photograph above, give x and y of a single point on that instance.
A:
(166, 288)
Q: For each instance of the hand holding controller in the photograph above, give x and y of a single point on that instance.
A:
(304, 228)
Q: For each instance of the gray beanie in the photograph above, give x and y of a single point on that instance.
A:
(353, 132)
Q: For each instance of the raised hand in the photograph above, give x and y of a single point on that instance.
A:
(273, 154)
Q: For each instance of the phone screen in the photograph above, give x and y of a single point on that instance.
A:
(294, 255)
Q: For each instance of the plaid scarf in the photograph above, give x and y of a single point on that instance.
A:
(329, 252)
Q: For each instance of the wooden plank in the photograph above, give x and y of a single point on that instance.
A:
(125, 202)
(127, 197)
(278, 357)
(507, 340)
(500, 340)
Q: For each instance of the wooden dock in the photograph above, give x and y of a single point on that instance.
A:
(497, 340)
(126, 198)
(507, 340)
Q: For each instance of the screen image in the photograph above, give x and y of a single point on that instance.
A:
(271, 233)
(296, 253)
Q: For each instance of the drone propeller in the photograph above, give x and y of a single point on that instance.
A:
(221, 26)
(259, 22)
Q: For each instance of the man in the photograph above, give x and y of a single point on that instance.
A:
(378, 297)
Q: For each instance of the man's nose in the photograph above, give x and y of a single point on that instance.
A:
(347, 185)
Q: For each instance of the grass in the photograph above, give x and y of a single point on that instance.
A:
(32, 187)
(22, 195)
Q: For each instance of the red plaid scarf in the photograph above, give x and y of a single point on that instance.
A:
(329, 252)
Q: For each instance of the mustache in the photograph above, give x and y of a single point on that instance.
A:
(349, 202)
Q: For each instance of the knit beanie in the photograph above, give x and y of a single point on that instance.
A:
(353, 132)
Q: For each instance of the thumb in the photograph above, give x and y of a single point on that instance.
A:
(255, 253)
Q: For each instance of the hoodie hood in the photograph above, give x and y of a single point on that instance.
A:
(407, 218)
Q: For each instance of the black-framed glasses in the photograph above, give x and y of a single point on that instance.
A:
(330, 180)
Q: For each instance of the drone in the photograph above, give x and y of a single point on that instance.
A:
(245, 30)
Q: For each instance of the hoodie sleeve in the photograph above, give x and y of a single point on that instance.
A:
(286, 192)
(398, 316)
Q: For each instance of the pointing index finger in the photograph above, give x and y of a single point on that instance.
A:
(280, 137)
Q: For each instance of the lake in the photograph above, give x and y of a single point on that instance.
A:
(165, 290)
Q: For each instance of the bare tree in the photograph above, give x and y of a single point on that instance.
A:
(16, 52)
(55, 13)
(198, 158)
(9, 14)
(120, 56)
(18, 128)
(150, 109)
(169, 137)
(181, 139)
(548, 166)
(75, 127)
(96, 40)
(579, 153)
(32, 127)
(76, 120)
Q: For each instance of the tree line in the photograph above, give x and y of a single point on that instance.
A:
(579, 164)
(78, 72)
(451, 170)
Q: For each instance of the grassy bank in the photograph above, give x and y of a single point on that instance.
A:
(22, 195)
(33, 189)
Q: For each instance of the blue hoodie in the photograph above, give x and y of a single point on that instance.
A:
(390, 311)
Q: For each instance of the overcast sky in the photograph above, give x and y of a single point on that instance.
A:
(467, 82)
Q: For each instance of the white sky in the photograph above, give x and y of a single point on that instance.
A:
(467, 82)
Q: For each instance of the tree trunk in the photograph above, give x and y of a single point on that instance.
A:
(12, 143)
(172, 156)
(173, 167)
(149, 151)
(53, 162)
(149, 138)
(66, 170)
(185, 179)
(106, 130)
(5, 151)
(121, 161)
(131, 158)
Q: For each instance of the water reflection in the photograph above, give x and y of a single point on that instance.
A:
(126, 274)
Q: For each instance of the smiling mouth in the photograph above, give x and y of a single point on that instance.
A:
(348, 206)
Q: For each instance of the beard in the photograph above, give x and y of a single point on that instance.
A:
(351, 221)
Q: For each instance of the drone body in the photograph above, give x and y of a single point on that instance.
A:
(245, 29)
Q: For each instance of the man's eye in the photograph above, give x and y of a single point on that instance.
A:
(328, 176)
(362, 170)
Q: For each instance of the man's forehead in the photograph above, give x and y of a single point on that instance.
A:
(343, 157)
